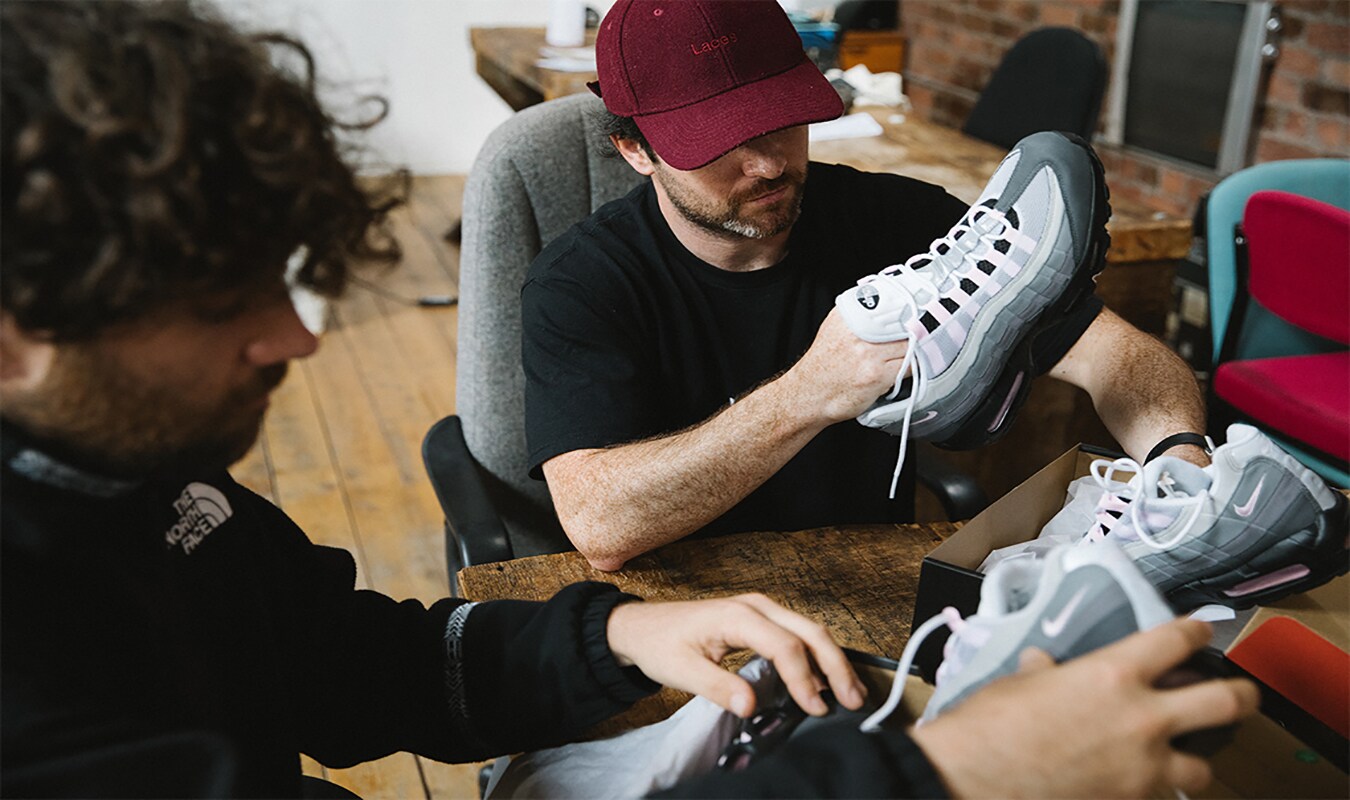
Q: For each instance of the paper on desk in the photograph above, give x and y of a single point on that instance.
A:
(566, 64)
(567, 59)
(853, 126)
(587, 53)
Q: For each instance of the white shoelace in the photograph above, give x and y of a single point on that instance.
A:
(909, 366)
(949, 617)
(1132, 492)
(902, 277)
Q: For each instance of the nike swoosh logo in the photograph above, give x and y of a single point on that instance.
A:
(1246, 509)
(1055, 626)
(926, 417)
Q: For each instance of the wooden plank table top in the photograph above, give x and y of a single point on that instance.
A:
(858, 581)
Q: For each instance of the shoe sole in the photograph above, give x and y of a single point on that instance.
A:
(1323, 563)
(993, 417)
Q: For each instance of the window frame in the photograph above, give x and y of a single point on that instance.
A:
(1256, 48)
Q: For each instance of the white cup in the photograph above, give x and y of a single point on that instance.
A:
(566, 23)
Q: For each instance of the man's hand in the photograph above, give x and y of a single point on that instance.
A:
(1096, 726)
(681, 644)
(841, 375)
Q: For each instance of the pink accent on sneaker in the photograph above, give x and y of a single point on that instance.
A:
(999, 260)
(939, 311)
(1280, 576)
(1007, 402)
(1020, 240)
(1112, 502)
(936, 363)
(977, 277)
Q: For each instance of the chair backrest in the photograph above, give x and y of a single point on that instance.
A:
(1051, 80)
(1298, 256)
(539, 173)
(1262, 334)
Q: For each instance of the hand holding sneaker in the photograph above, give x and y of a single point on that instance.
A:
(842, 375)
(1100, 728)
(1024, 254)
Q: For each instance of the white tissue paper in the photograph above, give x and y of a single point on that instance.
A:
(1069, 525)
(633, 764)
(873, 88)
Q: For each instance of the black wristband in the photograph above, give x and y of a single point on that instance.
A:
(1175, 439)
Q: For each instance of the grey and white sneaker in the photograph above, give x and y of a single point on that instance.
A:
(1069, 603)
(1025, 252)
(1252, 527)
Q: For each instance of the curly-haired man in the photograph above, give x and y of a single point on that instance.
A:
(165, 631)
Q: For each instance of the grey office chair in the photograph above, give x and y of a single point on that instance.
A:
(538, 174)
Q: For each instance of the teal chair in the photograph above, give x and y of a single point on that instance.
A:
(1263, 334)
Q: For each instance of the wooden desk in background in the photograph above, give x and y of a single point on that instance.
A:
(1136, 284)
(505, 58)
(860, 582)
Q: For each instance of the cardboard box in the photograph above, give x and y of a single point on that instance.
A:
(1297, 650)
(948, 576)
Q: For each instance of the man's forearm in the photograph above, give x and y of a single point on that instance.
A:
(619, 502)
(1142, 391)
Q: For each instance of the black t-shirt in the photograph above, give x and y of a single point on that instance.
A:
(628, 335)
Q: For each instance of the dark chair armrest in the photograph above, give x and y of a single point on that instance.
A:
(961, 497)
(470, 518)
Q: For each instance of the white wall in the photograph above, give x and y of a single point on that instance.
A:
(416, 54)
(413, 52)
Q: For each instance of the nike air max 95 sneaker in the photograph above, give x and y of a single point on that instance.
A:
(1021, 257)
(1252, 527)
(1069, 603)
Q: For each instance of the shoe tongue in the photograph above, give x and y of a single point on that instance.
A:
(1169, 476)
(1009, 586)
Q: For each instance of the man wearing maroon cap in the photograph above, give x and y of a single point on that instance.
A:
(685, 367)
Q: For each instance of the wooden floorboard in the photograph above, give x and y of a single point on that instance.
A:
(341, 449)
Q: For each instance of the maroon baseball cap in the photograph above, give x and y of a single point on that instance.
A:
(703, 77)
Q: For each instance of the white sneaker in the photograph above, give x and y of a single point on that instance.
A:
(1025, 253)
(1069, 603)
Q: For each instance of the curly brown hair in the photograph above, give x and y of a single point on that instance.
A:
(153, 154)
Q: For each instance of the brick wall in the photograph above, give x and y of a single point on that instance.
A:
(954, 46)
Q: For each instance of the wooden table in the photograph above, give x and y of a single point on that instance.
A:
(858, 581)
(505, 58)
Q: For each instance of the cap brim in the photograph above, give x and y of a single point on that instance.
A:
(698, 134)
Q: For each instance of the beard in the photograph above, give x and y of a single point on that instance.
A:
(732, 218)
(100, 415)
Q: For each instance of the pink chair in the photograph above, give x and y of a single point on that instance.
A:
(1298, 253)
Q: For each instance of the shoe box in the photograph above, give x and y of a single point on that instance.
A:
(1297, 650)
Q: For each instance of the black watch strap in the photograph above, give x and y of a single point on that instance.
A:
(1175, 439)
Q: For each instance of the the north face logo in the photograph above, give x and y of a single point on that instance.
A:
(202, 509)
(867, 297)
